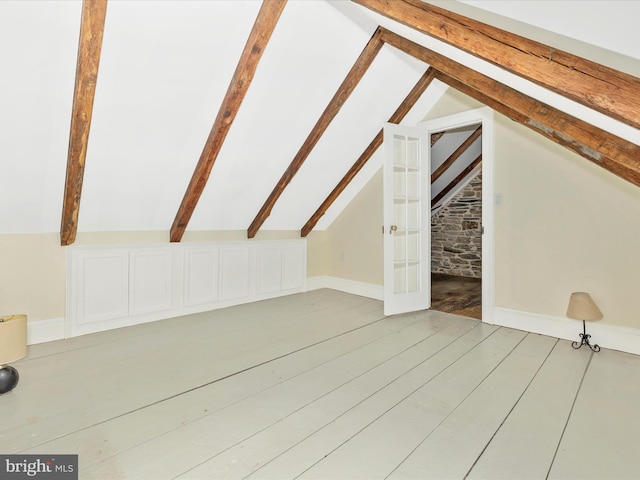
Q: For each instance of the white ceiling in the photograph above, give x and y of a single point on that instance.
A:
(611, 25)
(164, 70)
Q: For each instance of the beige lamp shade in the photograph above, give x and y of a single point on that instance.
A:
(582, 307)
(13, 338)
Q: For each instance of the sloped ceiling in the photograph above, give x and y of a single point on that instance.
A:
(442, 150)
(164, 70)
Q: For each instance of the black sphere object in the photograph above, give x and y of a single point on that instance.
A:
(8, 378)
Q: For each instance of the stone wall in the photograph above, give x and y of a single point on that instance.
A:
(456, 233)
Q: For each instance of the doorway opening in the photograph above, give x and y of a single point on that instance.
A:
(456, 221)
(406, 213)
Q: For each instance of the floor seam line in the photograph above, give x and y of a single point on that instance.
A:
(225, 377)
(564, 429)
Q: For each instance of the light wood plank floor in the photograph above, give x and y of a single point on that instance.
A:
(322, 385)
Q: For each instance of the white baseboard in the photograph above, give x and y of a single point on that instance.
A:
(40, 331)
(606, 336)
(363, 289)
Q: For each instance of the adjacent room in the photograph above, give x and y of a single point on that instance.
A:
(456, 221)
(329, 239)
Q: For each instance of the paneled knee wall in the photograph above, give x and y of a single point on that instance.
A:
(117, 285)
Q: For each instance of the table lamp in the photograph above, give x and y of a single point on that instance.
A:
(13, 346)
(582, 307)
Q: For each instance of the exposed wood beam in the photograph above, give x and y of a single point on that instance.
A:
(89, 47)
(604, 89)
(559, 127)
(344, 91)
(611, 152)
(435, 137)
(263, 27)
(350, 175)
(456, 181)
(455, 155)
(404, 108)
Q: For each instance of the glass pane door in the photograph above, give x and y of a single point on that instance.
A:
(407, 269)
(406, 214)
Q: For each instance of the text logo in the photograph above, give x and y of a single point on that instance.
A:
(51, 467)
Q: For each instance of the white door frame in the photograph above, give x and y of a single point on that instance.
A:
(485, 116)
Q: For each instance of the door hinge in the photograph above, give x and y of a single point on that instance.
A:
(482, 230)
(383, 229)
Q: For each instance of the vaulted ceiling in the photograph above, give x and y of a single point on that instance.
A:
(172, 74)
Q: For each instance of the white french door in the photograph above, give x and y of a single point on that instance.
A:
(407, 219)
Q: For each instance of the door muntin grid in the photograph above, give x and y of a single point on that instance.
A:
(407, 216)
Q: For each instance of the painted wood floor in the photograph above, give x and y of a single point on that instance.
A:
(322, 385)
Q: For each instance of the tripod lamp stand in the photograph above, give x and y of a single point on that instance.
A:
(582, 307)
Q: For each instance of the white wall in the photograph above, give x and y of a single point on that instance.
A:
(32, 279)
(565, 225)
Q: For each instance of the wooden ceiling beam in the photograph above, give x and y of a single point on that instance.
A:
(344, 91)
(263, 27)
(404, 108)
(435, 137)
(611, 152)
(624, 165)
(455, 155)
(89, 47)
(596, 86)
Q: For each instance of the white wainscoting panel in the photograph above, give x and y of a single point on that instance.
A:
(294, 261)
(269, 277)
(103, 284)
(115, 286)
(200, 275)
(234, 272)
(150, 281)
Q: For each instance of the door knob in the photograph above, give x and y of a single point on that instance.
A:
(393, 228)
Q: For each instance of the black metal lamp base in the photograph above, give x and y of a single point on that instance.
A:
(585, 340)
(8, 378)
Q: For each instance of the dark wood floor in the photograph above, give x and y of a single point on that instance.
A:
(458, 295)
